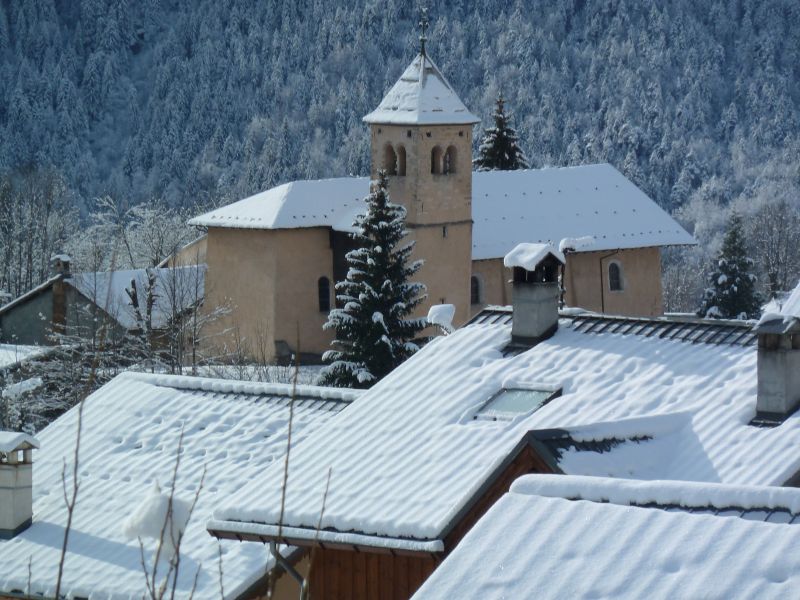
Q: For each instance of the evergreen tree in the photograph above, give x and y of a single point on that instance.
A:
(499, 150)
(732, 294)
(373, 335)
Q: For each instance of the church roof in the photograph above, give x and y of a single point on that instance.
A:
(508, 208)
(422, 96)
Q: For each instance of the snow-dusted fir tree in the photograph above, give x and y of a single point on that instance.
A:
(373, 331)
(499, 149)
(732, 294)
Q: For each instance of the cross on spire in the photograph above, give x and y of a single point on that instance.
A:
(423, 26)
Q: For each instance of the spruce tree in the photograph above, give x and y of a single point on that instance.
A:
(373, 333)
(732, 294)
(499, 149)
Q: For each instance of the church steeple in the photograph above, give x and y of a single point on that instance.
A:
(423, 27)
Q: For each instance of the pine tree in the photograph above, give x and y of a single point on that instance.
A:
(499, 149)
(373, 335)
(732, 294)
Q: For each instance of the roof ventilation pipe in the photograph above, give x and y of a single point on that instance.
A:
(16, 482)
(535, 292)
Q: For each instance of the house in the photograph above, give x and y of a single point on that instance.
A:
(420, 457)
(581, 537)
(130, 435)
(76, 304)
(275, 256)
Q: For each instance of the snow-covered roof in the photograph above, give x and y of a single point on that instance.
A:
(537, 538)
(422, 96)
(130, 433)
(176, 290)
(12, 354)
(421, 456)
(508, 208)
(15, 440)
(528, 256)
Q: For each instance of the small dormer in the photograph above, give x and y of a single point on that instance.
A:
(16, 482)
(536, 292)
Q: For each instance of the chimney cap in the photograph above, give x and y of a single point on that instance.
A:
(15, 441)
(530, 256)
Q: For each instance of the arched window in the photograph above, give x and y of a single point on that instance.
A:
(436, 160)
(615, 277)
(389, 160)
(401, 160)
(324, 292)
(450, 160)
(474, 290)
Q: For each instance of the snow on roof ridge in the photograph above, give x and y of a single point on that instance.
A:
(688, 494)
(235, 386)
(16, 440)
(32, 292)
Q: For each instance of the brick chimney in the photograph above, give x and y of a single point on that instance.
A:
(16, 482)
(778, 368)
(60, 265)
(535, 292)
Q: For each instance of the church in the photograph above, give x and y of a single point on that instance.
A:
(274, 257)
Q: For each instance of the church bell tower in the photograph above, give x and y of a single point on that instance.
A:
(421, 134)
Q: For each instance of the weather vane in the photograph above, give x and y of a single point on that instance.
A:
(423, 25)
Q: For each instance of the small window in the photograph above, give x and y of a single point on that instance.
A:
(324, 291)
(511, 402)
(401, 160)
(444, 231)
(408, 133)
(474, 290)
(615, 277)
(450, 157)
(389, 160)
(436, 160)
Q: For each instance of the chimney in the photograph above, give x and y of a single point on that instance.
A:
(16, 482)
(535, 293)
(60, 265)
(778, 369)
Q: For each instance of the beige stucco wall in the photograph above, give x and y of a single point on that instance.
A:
(641, 276)
(268, 278)
(193, 253)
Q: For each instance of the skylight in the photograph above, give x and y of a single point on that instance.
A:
(512, 401)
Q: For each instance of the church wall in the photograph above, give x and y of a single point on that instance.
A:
(242, 274)
(641, 276)
(303, 256)
(494, 280)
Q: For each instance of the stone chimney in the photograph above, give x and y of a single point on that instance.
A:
(778, 369)
(60, 265)
(16, 482)
(535, 291)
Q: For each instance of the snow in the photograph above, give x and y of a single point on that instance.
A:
(15, 390)
(131, 428)
(686, 494)
(13, 440)
(64, 258)
(508, 208)
(791, 308)
(12, 354)
(576, 244)
(159, 519)
(422, 96)
(442, 315)
(181, 286)
(591, 549)
(420, 456)
(528, 256)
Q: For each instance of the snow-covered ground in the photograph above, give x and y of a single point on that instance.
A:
(11, 354)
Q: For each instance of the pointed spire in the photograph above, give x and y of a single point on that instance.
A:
(423, 27)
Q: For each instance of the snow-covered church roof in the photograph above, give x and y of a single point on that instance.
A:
(508, 208)
(672, 400)
(130, 434)
(422, 96)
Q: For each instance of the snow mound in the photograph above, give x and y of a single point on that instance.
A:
(15, 390)
(576, 244)
(528, 256)
(155, 519)
(442, 315)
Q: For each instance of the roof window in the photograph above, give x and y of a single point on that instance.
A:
(512, 401)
